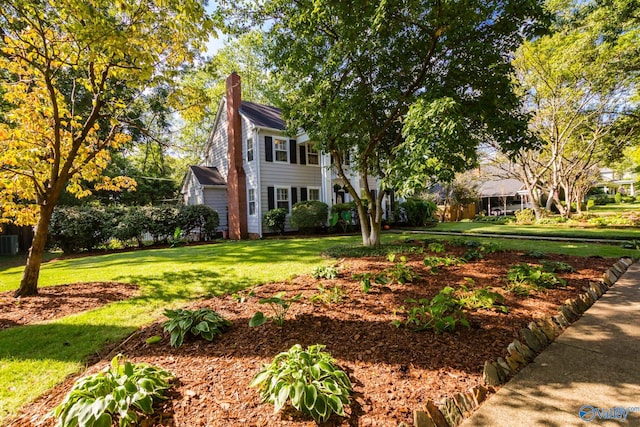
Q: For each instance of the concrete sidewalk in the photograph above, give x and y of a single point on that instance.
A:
(594, 363)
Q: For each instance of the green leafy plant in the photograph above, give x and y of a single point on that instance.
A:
(436, 247)
(333, 295)
(525, 275)
(177, 238)
(324, 272)
(472, 255)
(203, 322)
(525, 216)
(309, 214)
(632, 244)
(308, 380)
(400, 272)
(534, 253)
(557, 267)
(369, 279)
(484, 298)
(435, 261)
(119, 394)
(242, 296)
(442, 313)
(275, 220)
(279, 305)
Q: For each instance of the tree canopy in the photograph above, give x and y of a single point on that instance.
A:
(407, 88)
(75, 69)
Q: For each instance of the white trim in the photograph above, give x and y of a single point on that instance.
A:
(255, 207)
(256, 155)
(286, 150)
(319, 199)
(275, 197)
(317, 153)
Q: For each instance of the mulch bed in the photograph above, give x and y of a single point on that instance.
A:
(393, 370)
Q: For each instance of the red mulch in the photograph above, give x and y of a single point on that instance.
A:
(393, 370)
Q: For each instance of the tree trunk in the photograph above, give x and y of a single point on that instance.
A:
(29, 282)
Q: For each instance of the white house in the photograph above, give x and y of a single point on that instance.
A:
(252, 165)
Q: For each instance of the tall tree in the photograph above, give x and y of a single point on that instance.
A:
(580, 83)
(74, 69)
(407, 88)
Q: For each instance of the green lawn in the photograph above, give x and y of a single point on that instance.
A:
(615, 208)
(553, 230)
(33, 358)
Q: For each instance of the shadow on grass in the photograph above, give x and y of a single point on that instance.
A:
(58, 341)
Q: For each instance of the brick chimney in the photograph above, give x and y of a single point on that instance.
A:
(236, 178)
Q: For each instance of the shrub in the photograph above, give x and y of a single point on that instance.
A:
(436, 247)
(275, 220)
(161, 221)
(200, 217)
(309, 214)
(119, 394)
(78, 228)
(279, 305)
(480, 298)
(525, 216)
(418, 212)
(557, 266)
(203, 322)
(590, 204)
(618, 198)
(307, 379)
(132, 225)
(324, 272)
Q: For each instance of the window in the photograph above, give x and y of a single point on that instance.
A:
(249, 149)
(251, 200)
(313, 194)
(282, 198)
(313, 157)
(280, 147)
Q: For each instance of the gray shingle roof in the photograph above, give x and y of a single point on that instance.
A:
(207, 175)
(263, 115)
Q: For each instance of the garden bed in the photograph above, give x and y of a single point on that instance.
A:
(393, 370)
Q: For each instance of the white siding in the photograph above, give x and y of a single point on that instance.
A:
(218, 146)
(251, 172)
(216, 198)
(278, 174)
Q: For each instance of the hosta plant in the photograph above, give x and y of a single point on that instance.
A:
(279, 305)
(308, 380)
(324, 272)
(203, 322)
(533, 277)
(473, 299)
(442, 313)
(118, 395)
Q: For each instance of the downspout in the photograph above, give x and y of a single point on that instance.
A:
(258, 159)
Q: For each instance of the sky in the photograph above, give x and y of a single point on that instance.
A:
(214, 44)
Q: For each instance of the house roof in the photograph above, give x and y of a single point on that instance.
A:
(207, 175)
(263, 115)
(501, 187)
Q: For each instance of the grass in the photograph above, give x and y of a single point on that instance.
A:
(615, 208)
(33, 358)
(552, 230)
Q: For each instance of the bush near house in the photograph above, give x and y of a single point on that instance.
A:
(275, 220)
(77, 228)
(308, 215)
(417, 212)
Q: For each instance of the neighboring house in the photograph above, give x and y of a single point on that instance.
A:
(252, 165)
(613, 181)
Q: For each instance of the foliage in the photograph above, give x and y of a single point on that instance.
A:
(436, 247)
(400, 272)
(333, 295)
(618, 197)
(203, 322)
(75, 75)
(309, 214)
(442, 313)
(435, 262)
(275, 220)
(118, 394)
(307, 379)
(472, 255)
(342, 214)
(532, 277)
(424, 96)
(480, 298)
(356, 251)
(418, 212)
(369, 279)
(535, 253)
(324, 272)
(557, 266)
(525, 216)
(279, 305)
(200, 217)
(632, 244)
(76, 228)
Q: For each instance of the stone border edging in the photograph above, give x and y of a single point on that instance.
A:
(535, 337)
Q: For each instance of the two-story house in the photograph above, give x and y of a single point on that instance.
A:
(252, 165)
